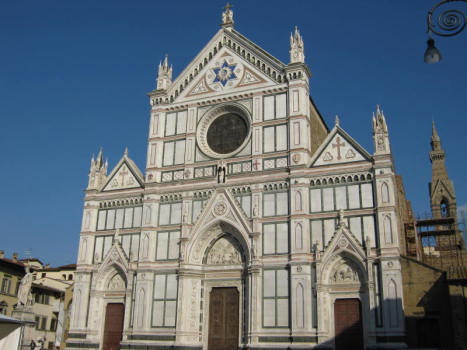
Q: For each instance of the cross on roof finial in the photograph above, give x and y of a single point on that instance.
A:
(227, 16)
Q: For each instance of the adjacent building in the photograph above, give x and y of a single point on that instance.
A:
(50, 297)
(11, 273)
(434, 264)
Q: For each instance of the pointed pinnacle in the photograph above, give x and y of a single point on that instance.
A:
(434, 132)
(126, 152)
(378, 109)
(337, 120)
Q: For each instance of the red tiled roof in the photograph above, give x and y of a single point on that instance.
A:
(11, 261)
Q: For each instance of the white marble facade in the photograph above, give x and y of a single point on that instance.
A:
(291, 214)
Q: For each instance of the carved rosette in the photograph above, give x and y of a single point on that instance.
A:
(220, 208)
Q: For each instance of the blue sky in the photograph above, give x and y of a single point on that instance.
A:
(74, 77)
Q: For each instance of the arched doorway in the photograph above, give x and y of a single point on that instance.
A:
(344, 288)
(224, 269)
(221, 250)
(114, 310)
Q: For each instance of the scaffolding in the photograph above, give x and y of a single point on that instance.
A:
(441, 246)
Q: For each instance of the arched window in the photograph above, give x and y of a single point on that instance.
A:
(444, 208)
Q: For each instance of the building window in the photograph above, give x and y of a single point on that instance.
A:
(101, 247)
(322, 230)
(275, 204)
(6, 284)
(3, 307)
(198, 205)
(53, 324)
(130, 245)
(245, 202)
(444, 208)
(175, 123)
(275, 107)
(276, 238)
(167, 245)
(275, 298)
(274, 138)
(174, 152)
(41, 298)
(110, 219)
(164, 307)
(353, 196)
(41, 323)
(170, 213)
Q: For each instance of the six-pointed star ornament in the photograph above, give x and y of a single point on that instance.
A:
(224, 73)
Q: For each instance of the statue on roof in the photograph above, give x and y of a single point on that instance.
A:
(227, 15)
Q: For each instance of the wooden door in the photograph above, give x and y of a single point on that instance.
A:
(223, 319)
(348, 324)
(113, 328)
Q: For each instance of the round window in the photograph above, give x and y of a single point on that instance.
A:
(227, 133)
(224, 130)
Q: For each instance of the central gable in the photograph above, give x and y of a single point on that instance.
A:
(228, 61)
(227, 71)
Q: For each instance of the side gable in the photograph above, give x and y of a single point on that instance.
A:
(339, 147)
(125, 175)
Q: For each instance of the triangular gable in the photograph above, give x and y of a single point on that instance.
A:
(226, 71)
(344, 241)
(440, 186)
(115, 256)
(222, 205)
(194, 81)
(125, 175)
(338, 148)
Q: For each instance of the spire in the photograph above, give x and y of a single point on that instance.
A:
(435, 140)
(227, 16)
(380, 132)
(100, 159)
(337, 120)
(125, 153)
(164, 76)
(297, 52)
(97, 171)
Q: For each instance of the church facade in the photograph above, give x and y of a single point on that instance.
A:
(254, 226)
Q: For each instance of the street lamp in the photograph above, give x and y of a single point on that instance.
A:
(448, 23)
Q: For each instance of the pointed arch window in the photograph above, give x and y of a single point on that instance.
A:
(444, 208)
(385, 192)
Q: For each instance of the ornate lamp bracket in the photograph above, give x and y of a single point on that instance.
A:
(449, 22)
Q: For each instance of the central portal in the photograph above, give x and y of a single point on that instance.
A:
(223, 319)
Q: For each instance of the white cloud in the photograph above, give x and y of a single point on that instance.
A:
(460, 209)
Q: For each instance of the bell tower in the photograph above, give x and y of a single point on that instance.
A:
(442, 193)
